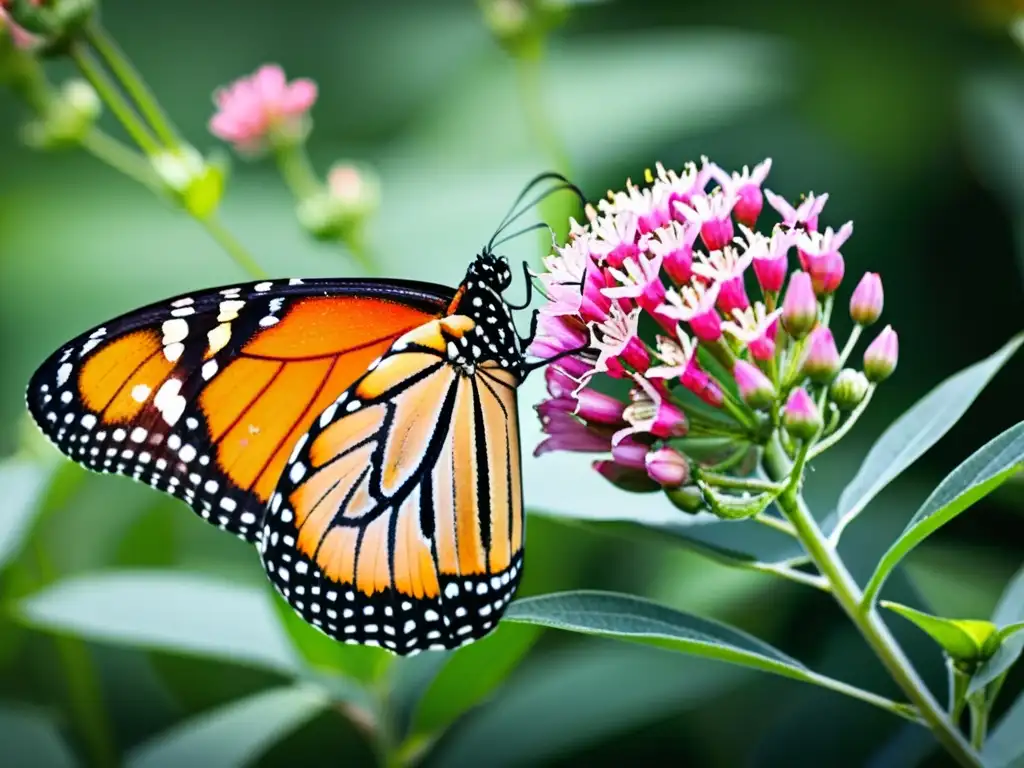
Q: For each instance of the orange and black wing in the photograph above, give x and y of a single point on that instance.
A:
(398, 520)
(205, 395)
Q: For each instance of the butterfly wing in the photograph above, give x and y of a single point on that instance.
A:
(204, 395)
(399, 518)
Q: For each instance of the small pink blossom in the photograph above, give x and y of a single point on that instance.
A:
(803, 217)
(821, 361)
(755, 388)
(615, 238)
(674, 244)
(881, 356)
(254, 109)
(639, 279)
(567, 433)
(746, 186)
(799, 307)
(565, 271)
(21, 37)
(629, 453)
(616, 341)
(650, 205)
(712, 213)
(651, 413)
(680, 358)
(867, 299)
(769, 256)
(557, 334)
(820, 257)
(695, 304)
(755, 328)
(583, 402)
(667, 467)
(800, 416)
(726, 267)
(683, 186)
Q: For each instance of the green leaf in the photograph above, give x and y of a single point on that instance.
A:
(23, 483)
(624, 617)
(1008, 616)
(984, 471)
(170, 611)
(967, 640)
(30, 738)
(580, 696)
(916, 431)
(233, 735)
(1005, 745)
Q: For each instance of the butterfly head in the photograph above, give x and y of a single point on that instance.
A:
(490, 270)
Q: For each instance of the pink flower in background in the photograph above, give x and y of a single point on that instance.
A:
(20, 36)
(805, 216)
(662, 261)
(867, 300)
(253, 109)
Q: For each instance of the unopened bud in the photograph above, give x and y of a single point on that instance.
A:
(848, 389)
(800, 417)
(881, 355)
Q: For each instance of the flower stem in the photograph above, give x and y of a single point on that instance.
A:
(823, 445)
(958, 684)
(738, 483)
(792, 574)
(297, 171)
(113, 98)
(867, 620)
(850, 344)
(775, 523)
(234, 248)
(132, 82)
(979, 720)
(109, 150)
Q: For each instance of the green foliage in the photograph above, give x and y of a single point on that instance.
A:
(1009, 617)
(965, 640)
(984, 471)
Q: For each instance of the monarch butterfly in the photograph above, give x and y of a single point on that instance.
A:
(362, 433)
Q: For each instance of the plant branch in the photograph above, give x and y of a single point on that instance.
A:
(132, 83)
(109, 150)
(979, 720)
(775, 523)
(850, 344)
(792, 574)
(234, 248)
(848, 594)
(823, 445)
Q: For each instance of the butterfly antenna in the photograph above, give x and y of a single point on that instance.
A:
(518, 208)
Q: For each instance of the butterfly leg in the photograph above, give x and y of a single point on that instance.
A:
(529, 289)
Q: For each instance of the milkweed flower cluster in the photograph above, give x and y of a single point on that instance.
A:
(678, 319)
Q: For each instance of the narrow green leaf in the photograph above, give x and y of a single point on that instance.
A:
(233, 735)
(963, 639)
(577, 697)
(23, 483)
(1005, 745)
(167, 610)
(1009, 617)
(638, 620)
(985, 470)
(30, 738)
(916, 431)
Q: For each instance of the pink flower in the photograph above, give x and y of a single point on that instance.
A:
(667, 467)
(804, 217)
(800, 416)
(867, 300)
(881, 356)
(650, 413)
(799, 307)
(615, 238)
(726, 267)
(565, 273)
(680, 358)
(755, 328)
(695, 304)
(557, 334)
(629, 453)
(639, 279)
(820, 257)
(769, 256)
(254, 110)
(712, 213)
(588, 404)
(21, 37)
(746, 186)
(566, 433)
(674, 244)
(683, 186)
(617, 342)
(755, 388)
(650, 206)
(821, 362)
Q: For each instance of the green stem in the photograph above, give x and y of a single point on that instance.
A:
(112, 97)
(83, 686)
(979, 720)
(959, 682)
(109, 150)
(297, 171)
(823, 445)
(792, 574)
(775, 523)
(737, 483)
(850, 344)
(234, 248)
(132, 83)
(867, 620)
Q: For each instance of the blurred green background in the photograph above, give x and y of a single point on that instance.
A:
(909, 114)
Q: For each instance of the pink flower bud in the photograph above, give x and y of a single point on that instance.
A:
(826, 272)
(881, 355)
(716, 233)
(667, 467)
(698, 381)
(636, 355)
(679, 264)
(707, 325)
(567, 433)
(630, 453)
(867, 299)
(756, 389)
(626, 478)
(733, 295)
(771, 271)
(822, 358)
(800, 307)
(749, 202)
(800, 417)
(763, 347)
